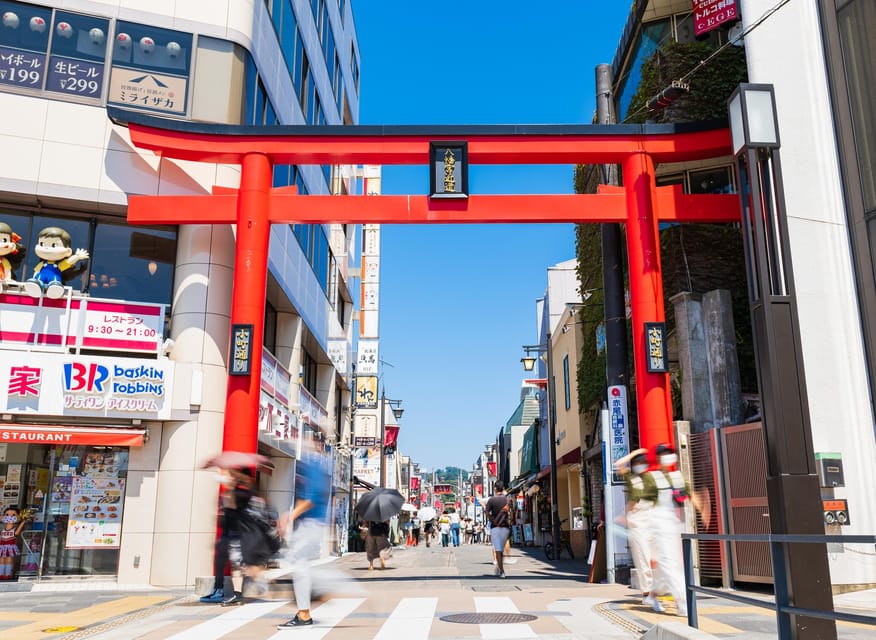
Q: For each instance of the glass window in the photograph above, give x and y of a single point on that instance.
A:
(717, 180)
(653, 34)
(78, 236)
(133, 263)
(79, 44)
(24, 41)
(566, 385)
(289, 37)
(269, 340)
(164, 54)
(859, 55)
(19, 225)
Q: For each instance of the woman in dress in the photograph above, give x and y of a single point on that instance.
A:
(377, 545)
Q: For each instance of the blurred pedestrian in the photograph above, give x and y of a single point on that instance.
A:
(468, 530)
(641, 498)
(672, 492)
(429, 527)
(454, 526)
(377, 546)
(415, 529)
(498, 511)
(444, 528)
(304, 527)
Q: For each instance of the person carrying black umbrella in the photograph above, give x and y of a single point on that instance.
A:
(377, 546)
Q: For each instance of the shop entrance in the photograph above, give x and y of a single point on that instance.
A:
(75, 495)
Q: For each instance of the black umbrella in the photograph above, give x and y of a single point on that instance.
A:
(379, 504)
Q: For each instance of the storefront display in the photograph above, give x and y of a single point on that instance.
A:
(77, 494)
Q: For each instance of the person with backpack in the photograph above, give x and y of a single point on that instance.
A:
(498, 512)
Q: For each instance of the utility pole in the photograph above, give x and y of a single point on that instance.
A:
(382, 437)
(614, 301)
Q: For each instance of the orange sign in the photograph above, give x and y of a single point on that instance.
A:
(48, 435)
(835, 505)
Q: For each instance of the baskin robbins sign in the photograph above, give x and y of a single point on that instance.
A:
(69, 385)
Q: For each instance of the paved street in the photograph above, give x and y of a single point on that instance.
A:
(423, 593)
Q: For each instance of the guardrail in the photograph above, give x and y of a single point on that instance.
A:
(781, 604)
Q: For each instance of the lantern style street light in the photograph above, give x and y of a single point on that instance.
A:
(793, 491)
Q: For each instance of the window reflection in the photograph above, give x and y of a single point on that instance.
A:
(126, 263)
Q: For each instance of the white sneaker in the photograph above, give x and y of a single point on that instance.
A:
(681, 609)
(653, 602)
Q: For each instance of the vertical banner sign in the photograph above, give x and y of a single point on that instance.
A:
(655, 347)
(241, 349)
(711, 14)
(619, 445)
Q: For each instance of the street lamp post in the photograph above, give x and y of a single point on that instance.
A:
(397, 411)
(529, 365)
(793, 491)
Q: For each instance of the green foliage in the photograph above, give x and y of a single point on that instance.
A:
(710, 86)
(695, 257)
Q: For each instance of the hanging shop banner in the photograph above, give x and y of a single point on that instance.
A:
(366, 464)
(711, 14)
(655, 347)
(366, 362)
(95, 513)
(441, 489)
(83, 386)
(87, 323)
(366, 392)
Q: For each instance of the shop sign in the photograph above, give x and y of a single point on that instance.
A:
(311, 411)
(366, 363)
(276, 419)
(619, 445)
(147, 90)
(67, 385)
(103, 436)
(85, 323)
(711, 14)
(441, 489)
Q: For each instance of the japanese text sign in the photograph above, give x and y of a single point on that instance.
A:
(241, 350)
(711, 14)
(655, 347)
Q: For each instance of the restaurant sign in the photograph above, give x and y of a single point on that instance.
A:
(711, 14)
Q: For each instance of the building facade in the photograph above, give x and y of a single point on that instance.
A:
(117, 386)
(816, 54)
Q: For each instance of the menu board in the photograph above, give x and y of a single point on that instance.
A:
(95, 513)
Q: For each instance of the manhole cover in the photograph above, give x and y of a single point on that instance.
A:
(488, 618)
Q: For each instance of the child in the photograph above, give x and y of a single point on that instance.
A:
(11, 529)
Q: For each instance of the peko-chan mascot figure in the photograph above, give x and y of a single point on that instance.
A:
(11, 254)
(57, 256)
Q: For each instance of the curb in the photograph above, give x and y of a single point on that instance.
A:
(676, 631)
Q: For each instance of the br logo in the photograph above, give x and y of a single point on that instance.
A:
(89, 378)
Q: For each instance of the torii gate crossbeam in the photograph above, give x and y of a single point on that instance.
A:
(639, 204)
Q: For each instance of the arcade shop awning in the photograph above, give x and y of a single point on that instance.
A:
(70, 435)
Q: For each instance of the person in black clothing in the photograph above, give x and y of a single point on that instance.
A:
(237, 494)
(498, 511)
(377, 545)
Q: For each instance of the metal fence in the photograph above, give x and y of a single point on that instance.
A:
(781, 603)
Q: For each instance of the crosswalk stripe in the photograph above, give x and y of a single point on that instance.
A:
(227, 622)
(411, 619)
(325, 618)
(501, 631)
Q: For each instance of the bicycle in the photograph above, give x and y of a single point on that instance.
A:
(565, 544)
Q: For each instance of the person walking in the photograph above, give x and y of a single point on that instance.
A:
(672, 491)
(498, 511)
(377, 546)
(415, 530)
(304, 526)
(641, 497)
(454, 526)
(429, 531)
(444, 528)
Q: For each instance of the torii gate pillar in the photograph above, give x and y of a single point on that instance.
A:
(241, 432)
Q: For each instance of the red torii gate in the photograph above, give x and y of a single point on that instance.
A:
(256, 205)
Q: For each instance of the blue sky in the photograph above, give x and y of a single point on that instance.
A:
(457, 302)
